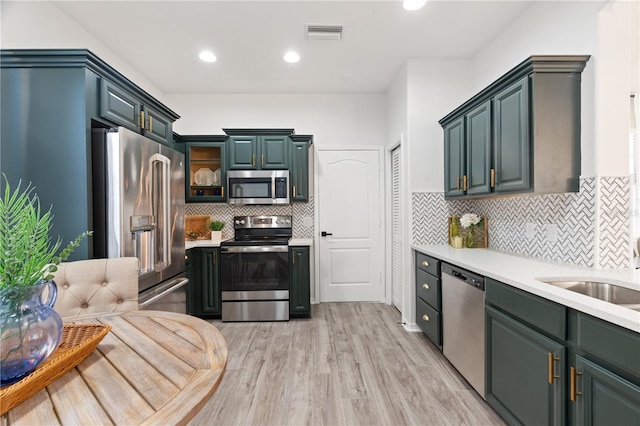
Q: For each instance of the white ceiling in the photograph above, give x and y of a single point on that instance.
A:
(162, 39)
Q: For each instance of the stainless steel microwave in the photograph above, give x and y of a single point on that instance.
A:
(258, 186)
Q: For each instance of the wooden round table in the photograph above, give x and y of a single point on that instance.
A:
(151, 368)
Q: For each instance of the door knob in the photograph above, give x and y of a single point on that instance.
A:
(324, 234)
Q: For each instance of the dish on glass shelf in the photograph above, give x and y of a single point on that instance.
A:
(204, 177)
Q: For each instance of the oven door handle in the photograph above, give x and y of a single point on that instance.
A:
(255, 249)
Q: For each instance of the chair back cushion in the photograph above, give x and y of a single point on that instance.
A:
(97, 285)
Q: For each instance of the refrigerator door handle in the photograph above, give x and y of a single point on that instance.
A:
(161, 204)
(150, 296)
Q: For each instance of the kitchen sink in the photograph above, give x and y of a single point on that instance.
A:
(611, 293)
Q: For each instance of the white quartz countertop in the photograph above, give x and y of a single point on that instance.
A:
(211, 243)
(301, 242)
(527, 274)
(201, 243)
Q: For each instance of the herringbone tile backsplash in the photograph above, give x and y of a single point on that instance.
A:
(301, 212)
(574, 214)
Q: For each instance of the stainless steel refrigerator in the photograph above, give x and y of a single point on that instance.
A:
(139, 211)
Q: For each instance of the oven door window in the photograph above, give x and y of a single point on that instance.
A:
(255, 271)
(250, 187)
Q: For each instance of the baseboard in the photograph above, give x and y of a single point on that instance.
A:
(411, 327)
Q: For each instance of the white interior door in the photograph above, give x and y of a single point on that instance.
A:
(351, 255)
(396, 231)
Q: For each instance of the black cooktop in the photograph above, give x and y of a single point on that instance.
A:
(260, 230)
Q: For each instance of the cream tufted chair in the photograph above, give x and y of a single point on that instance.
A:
(97, 285)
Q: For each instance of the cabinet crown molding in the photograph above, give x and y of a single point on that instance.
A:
(534, 64)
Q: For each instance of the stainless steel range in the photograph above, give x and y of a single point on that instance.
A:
(255, 269)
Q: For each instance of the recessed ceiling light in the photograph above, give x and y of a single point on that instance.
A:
(413, 4)
(207, 56)
(291, 57)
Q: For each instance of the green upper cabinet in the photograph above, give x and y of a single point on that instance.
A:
(119, 106)
(511, 130)
(521, 133)
(57, 94)
(274, 152)
(272, 149)
(454, 160)
(206, 170)
(123, 108)
(299, 168)
(478, 146)
(243, 151)
(258, 152)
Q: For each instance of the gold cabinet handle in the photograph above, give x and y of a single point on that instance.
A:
(150, 124)
(293, 261)
(213, 258)
(552, 376)
(493, 178)
(458, 183)
(222, 191)
(425, 263)
(141, 123)
(253, 160)
(425, 317)
(464, 183)
(573, 391)
(425, 286)
(186, 258)
(294, 191)
(262, 160)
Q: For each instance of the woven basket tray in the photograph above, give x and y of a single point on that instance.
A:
(78, 341)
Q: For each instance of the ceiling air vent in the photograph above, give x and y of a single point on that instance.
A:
(324, 32)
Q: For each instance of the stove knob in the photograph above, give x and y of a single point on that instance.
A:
(242, 222)
(237, 222)
(287, 221)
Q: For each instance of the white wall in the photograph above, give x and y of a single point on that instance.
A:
(41, 25)
(331, 119)
(397, 104)
(597, 28)
(435, 87)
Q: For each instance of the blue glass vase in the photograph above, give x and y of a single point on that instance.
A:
(30, 330)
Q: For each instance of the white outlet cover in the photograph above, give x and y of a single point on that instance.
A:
(307, 221)
(530, 230)
(552, 232)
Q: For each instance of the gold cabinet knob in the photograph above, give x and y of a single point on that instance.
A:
(425, 317)
(425, 263)
(425, 286)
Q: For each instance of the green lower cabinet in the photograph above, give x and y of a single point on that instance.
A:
(525, 372)
(603, 398)
(204, 294)
(299, 282)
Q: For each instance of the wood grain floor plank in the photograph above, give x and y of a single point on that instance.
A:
(350, 364)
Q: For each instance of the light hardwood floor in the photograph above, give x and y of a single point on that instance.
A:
(350, 364)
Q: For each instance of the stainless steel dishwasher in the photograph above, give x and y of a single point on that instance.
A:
(463, 323)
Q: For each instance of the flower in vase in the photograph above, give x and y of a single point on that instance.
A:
(469, 219)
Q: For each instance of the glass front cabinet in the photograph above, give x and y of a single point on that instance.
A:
(205, 172)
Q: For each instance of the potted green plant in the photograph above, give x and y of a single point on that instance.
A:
(216, 229)
(30, 330)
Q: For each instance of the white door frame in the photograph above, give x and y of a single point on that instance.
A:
(316, 210)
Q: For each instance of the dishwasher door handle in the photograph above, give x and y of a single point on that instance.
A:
(459, 276)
